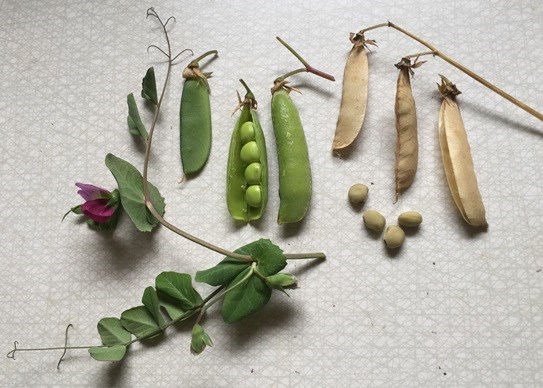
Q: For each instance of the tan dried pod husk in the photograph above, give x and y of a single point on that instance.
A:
(354, 97)
(407, 146)
(457, 160)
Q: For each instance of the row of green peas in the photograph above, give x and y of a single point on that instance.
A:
(247, 169)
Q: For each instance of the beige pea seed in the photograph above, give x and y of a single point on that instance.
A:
(358, 193)
(410, 219)
(374, 220)
(394, 237)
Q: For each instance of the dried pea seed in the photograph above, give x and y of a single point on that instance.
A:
(374, 220)
(253, 195)
(253, 173)
(394, 237)
(410, 219)
(247, 132)
(250, 153)
(358, 193)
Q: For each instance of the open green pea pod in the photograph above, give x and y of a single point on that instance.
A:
(247, 170)
(195, 117)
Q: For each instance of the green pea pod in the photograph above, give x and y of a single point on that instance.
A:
(293, 158)
(195, 118)
(247, 170)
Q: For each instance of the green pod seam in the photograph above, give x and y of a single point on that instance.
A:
(293, 159)
(236, 183)
(195, 121)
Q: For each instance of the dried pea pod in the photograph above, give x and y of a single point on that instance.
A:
(293, 157)
(457, 160)
(247, 169)
(354, 97)
(195, 117)
(407, 146)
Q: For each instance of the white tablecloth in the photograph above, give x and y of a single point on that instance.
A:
(453, 307)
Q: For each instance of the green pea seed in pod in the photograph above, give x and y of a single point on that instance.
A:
(247, 132)
(253, 173)
(250, 153)
(253, 196)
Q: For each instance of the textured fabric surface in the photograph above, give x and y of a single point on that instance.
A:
(451, 308)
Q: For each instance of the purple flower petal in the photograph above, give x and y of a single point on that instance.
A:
(90, 192)
(97, 210)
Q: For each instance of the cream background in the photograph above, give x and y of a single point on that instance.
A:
(453, 308)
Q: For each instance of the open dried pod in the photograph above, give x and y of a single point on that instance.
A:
(407, 145)
(457, 160)
(354, 98)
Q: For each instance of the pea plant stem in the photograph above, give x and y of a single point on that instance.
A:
(149, 142)
(291, 73)
(301, 256)
(374, 27)
(210, 300)
(51, 348)
(459, 66)
(308, 67)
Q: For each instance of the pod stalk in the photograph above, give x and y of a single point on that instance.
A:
(308, 68)
(249, 93)
(460, 67)
(195, 62)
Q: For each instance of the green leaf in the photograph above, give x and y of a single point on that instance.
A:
(130, 184)
(223, 273)
(200, 339)
(170, 305)
(135, 125)
(244, 298)
(148, 86)
(140, 322)
(150, 301)
(113, 353)
(179, 287)
(269, 257)
(112, 332)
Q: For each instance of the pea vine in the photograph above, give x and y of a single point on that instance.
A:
(244, 279)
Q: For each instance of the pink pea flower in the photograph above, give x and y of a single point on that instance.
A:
(100, 204)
